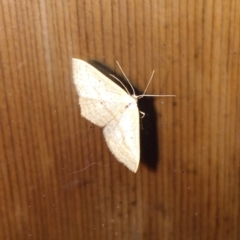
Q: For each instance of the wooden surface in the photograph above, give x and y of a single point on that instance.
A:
(187, 185)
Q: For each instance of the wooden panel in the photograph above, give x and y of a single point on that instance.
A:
(58, 179)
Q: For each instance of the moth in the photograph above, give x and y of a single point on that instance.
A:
(109, 106)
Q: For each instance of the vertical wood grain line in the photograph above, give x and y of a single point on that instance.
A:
(8, 194)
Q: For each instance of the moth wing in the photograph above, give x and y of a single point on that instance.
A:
(99, 97)
(122, 137)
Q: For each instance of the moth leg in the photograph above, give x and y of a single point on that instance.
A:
(143, 114)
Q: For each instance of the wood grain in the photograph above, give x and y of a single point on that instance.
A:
(192, 189)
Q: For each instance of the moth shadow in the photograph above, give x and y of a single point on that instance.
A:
(148, 134)
(149, 152)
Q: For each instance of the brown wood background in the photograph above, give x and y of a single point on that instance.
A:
(193, 193)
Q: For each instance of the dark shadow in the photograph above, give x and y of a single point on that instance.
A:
(148, 133)
(149, 151)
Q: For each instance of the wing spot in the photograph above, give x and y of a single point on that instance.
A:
(127, 106)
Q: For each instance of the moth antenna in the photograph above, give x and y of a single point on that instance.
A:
(121, 83)
(144, 93)
(126, 78)
(148, 82)
(158, 95)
